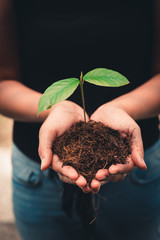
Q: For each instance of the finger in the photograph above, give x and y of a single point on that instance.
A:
(137, 151)
(118, 178)
(66, 179)
(46, 161)
(95, 186)
(113, 178)
(122, 168)
(86, 189)
(67, 171)
(102, 174)
(81, 181)
(46, 138)
(105, 181)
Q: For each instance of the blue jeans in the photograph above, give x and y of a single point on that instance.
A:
(129, 210)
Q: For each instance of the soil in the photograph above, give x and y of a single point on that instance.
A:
(92, 148)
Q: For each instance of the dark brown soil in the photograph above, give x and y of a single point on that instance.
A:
(91, 149)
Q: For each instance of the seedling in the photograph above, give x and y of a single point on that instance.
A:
(62, 89)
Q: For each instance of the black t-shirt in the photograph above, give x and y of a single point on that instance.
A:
(58, 39)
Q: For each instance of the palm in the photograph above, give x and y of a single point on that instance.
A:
(119, 120)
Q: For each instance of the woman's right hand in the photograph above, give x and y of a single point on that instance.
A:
(61, 117)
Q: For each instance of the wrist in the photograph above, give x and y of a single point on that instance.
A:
(127, 104)
(43, 115)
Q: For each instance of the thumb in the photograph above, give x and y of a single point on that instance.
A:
(137, 150)
(46, 160)
(46, 138)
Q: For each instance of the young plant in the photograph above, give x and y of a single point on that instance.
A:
(62, 89)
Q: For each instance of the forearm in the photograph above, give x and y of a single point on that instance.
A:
(143, 102)
(20, 102)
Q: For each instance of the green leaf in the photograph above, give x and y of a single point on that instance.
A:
(105, 77)
(57, 92)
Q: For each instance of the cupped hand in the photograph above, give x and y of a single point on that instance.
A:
(61, 117)
(116, 118)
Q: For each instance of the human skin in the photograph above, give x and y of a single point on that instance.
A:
(121, 115)
(141, 103)
(21, 103)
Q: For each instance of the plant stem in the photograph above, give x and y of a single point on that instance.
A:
(82, 95)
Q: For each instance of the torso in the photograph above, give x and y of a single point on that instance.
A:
(58, 40)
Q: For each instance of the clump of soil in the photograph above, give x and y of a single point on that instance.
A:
(92, 148)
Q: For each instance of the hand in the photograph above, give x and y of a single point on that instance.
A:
(61, 117)
(118, 119)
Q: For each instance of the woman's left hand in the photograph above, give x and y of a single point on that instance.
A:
(116, 118)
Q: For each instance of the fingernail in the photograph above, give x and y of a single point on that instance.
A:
(42, 163)
(142, 160)
(86, 189)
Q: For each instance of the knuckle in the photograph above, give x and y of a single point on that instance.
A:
(56, 168)
(40, 152)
